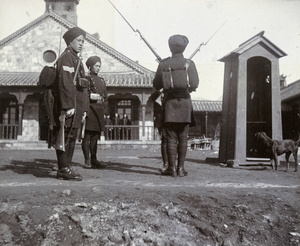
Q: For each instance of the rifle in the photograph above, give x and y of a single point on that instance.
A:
(135, 30)
(202, 44)
(82, 130)
(50, 137)
(60, 141)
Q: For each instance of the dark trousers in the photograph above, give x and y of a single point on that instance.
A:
(89, 144)
(177, 135)
(64, 158)
(163, 147)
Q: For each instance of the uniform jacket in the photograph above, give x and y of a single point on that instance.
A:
(70, 94)
(177, 105)
(95, 118)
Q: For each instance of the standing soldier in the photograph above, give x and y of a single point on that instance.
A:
(159, 124)
(72, 101)
(95, 119)
(178, 77)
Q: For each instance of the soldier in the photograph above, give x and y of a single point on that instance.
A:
(159, 124)
(72, 100)
(178, 77)
(95, 119)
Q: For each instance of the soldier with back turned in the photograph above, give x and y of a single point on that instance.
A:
(177, 77)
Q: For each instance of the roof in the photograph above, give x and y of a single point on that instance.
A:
(89, 38)
(114, 80)
(207, 106)
(257, 39)
(291, 91)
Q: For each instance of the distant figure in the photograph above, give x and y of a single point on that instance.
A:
(108, 132)
(178, 77)
(125, 131)
(116, 130)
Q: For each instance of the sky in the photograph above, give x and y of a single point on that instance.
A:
(235, 20)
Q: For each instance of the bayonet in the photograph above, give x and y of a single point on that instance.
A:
(205, 43)
(135, 30)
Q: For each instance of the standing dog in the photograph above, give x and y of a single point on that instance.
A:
(276, 148)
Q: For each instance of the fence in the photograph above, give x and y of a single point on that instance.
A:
(8, 131)
(129, 132)
(112, 132)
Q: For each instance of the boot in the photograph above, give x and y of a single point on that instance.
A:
(170, 171)
(93, 148)
(182, 149)
(97, 164)
(85, 146)
(164, 155)
(87, 164)
(172, 152)
(68, 174)
(164, 167)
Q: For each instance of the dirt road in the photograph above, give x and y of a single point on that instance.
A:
(130, 203)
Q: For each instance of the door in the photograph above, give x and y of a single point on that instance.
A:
(259, 108)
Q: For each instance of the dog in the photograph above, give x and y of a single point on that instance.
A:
(277, 148)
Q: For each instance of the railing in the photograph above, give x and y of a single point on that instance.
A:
(112, 132)
(200, 143)
(128, 132)
(8, 131)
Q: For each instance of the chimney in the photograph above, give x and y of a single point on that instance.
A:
(65, 8)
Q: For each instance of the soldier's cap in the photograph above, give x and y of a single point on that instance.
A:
(178, 43)
(92, 61)
(73, 33)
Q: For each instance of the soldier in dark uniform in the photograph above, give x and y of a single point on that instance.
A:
(178, 77)
(95, 123)
(159, 124)
(72, 99)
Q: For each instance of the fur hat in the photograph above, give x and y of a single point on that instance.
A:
(178, 43)
(92, 61)
(73, 33)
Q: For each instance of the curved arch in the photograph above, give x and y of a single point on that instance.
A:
(259, 102)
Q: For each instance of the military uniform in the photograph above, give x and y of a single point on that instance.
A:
(71, 94)
(95, 118)
(159, 124)
(178, 77)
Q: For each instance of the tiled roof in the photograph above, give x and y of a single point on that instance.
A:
(207, 106)
(89, 38)
(113, 80)
(19, 79)
(291, 91)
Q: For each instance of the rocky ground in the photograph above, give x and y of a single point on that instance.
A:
(130, 203)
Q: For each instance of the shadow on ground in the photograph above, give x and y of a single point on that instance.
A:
(44, 168)
(130, 168)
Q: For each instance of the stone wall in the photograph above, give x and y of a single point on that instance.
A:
(25, 53)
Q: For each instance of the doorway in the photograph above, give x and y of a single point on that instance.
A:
(259, 104)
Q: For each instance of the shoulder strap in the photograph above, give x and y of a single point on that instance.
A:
(77, 68)
(186, 66)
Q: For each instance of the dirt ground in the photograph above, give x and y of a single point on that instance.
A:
(130, 203)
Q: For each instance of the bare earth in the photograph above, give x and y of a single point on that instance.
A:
(130, 203)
